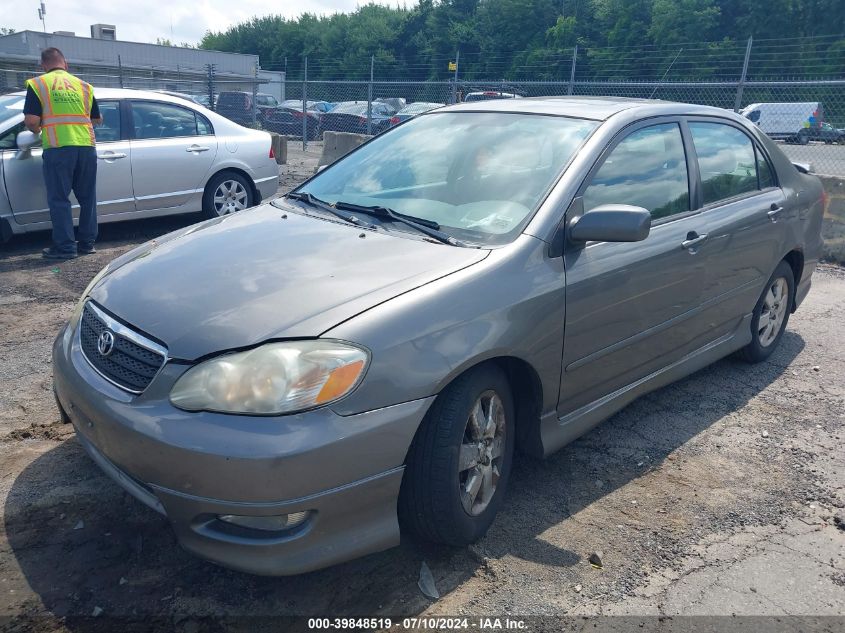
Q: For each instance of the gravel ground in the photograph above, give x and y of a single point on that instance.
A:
(721, 494)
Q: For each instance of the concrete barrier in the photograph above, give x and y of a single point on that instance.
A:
(280, 147)
(833, 225)
(339, 144)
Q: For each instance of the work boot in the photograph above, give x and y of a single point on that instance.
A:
(53, 253)
(85, 249)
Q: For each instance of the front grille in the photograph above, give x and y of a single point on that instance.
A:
(131, 365)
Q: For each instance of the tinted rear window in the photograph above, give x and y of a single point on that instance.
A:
(231, 98)
(726, 160)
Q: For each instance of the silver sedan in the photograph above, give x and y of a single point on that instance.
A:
(158, 155)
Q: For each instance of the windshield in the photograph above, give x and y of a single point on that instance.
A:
(478, 175)
(10, 107)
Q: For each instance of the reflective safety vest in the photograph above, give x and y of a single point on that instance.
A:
(66, 103)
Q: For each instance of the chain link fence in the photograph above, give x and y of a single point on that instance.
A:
(806, 116)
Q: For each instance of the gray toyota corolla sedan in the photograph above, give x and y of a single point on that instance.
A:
(291, 383)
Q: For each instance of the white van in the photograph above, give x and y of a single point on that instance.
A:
(790, 122)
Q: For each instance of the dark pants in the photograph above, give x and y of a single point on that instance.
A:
(69, 169)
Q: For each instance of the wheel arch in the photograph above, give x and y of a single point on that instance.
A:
(527, 391)
(795, 259)
(237, 170)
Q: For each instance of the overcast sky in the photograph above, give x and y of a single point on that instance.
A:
(145, 20)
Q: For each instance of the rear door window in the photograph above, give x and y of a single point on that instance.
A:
(726, 160)
(647, 169)
(153, 119)
(109, 129)
(765, 173)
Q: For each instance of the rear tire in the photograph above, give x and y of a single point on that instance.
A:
(460, 460)
(226, 193)
(770, 316)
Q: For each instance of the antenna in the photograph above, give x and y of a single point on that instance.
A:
(42, 11)
(680, 50)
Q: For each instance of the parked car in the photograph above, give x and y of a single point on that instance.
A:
(203, 100)
(320, 107)
(198, 99)
(486, 95)
(827, 134)
(790, 122)
(287, 120)
(238, 106)
(396, 103)
(373, 347)
(351, 116)
(409, 112)
(158, 155)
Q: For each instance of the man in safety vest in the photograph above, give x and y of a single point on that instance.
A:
(62, 108)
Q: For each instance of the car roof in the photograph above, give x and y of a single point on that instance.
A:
(132, 93)
(594, 108)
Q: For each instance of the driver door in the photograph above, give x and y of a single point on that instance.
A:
(25, 180)
(632, 308)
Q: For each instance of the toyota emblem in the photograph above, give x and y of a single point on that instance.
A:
(105, 343)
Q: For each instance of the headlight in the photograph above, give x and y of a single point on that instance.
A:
(272, 379)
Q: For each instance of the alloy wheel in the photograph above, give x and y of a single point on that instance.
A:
(481, 453)
(230, 196)
(775, 305)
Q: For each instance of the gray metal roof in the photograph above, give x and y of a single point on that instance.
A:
(85, 50)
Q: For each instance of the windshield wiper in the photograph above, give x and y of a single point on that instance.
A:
(428, 227)
(307, 198)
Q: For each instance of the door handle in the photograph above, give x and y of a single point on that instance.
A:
(773, 212)
(197, 148)
(693, 240)
(110, 156)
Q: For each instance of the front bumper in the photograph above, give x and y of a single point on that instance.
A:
(344, 472)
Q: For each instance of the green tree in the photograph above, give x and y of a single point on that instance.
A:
(680, 21)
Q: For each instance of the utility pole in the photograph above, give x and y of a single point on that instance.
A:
(120, 71)
(42, 11)
(455, 78)
(210, 68)
(304, 106)
(370, 98)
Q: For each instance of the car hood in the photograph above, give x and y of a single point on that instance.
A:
(253, 276)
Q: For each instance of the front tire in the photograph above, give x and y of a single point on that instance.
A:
(460, 460)
(770, 316)
(226, 193)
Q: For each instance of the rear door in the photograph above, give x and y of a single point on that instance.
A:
(633, 308)
(173, 151)
(744, 216)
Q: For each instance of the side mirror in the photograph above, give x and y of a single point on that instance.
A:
(611, 223)
(25, 141)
